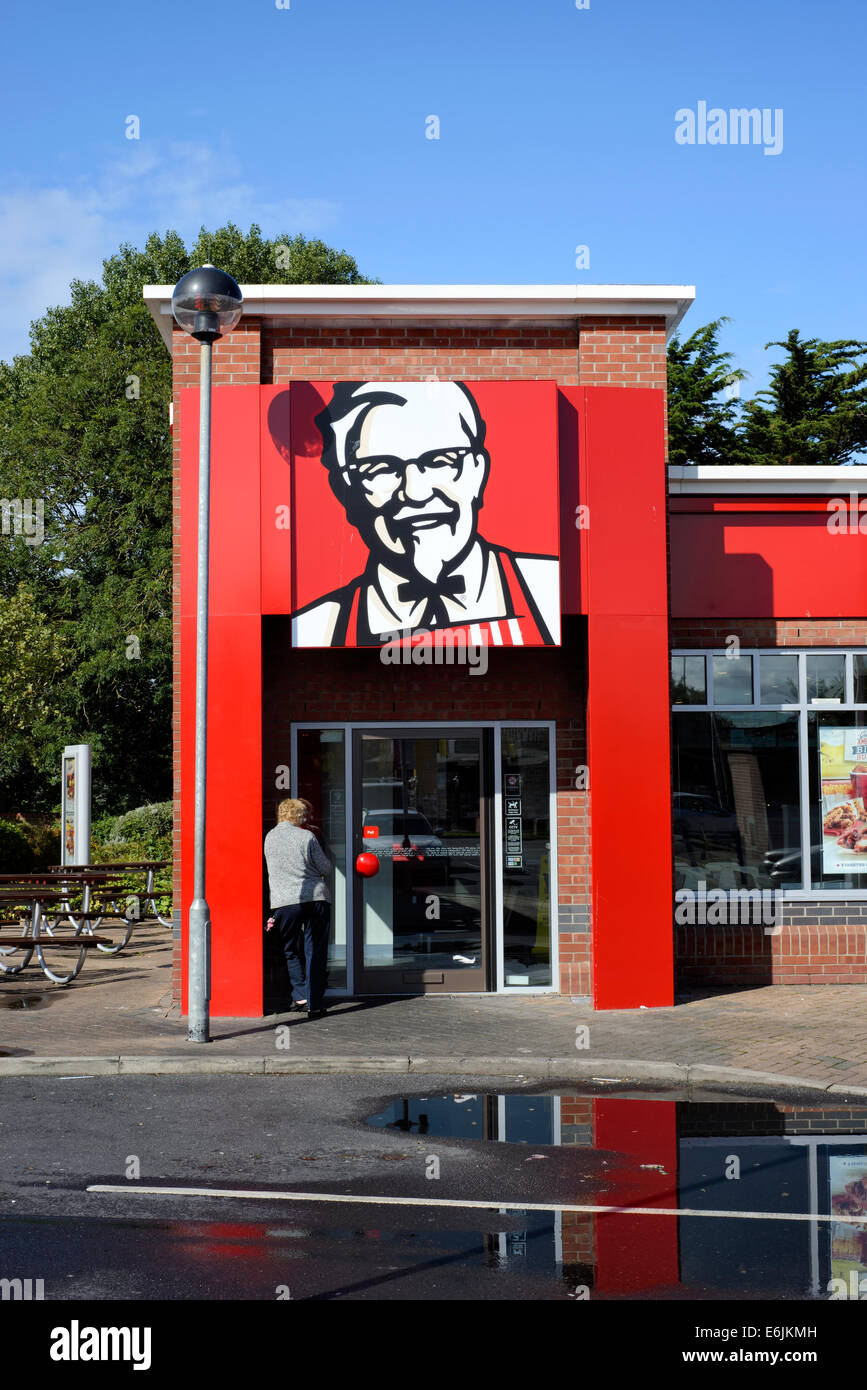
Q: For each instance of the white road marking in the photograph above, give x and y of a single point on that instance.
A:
(491, 1205)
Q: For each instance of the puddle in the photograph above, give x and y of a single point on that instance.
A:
(24, 1001)
(513, 1119)
(760, 1200)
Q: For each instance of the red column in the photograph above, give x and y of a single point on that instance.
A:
(623, 482)
(234, 803)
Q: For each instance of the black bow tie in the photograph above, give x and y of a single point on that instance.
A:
(417, 589)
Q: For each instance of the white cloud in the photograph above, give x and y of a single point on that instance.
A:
(50, 236)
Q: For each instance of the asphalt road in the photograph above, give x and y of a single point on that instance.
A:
(309, 1135)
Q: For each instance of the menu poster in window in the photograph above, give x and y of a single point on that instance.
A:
(843, 780)
(847, 1179)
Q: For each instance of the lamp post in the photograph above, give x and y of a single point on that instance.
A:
(206, 303)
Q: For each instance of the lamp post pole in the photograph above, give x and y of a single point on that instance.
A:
(199, 983)
(205, 303)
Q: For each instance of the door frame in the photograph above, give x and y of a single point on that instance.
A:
(497, 973)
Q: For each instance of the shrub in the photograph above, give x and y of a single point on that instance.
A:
(150, 827)
(143, 833)
(16, 855)
(44, 841)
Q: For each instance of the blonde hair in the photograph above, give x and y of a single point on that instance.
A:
(295, 810)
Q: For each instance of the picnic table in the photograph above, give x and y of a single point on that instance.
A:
(61, 953)
(148, 867)
(84, 917)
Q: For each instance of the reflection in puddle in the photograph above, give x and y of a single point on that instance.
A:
(720, 1199)
(517, 1119)
(756, 1200)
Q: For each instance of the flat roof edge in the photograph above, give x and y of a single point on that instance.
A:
(514, 302)
(728, 480)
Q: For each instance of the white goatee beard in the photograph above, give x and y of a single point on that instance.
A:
(433, 551)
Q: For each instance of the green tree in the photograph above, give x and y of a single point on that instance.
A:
(815, 409)
(31, 667)
(701, 419)
(84, 428)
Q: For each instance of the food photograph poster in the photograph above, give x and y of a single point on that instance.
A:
(843, 777)
(848, 1182)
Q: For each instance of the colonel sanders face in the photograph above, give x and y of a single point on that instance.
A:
(407, 462)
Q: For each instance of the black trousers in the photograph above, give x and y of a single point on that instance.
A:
(304, 929)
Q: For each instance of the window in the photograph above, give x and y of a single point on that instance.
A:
(750, 803)
(735, 801)
(732, 680)
(688, 680)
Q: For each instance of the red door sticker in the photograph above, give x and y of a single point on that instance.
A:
(370, 832)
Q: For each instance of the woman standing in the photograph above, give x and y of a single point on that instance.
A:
(298, 870)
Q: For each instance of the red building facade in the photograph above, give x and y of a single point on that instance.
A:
(534, 821)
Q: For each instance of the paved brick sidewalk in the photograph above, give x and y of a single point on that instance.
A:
(119, 1008)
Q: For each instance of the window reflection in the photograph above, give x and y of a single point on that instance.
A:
(778, 677)
(322, 781)
(688, 680)
(735, 800)
(733, 680)
(526, 799)
(826, 676)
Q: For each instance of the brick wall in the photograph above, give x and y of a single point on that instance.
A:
(717, 1119)
(577, 1228)
(769, 632)
(622, 351)
(816, 942)
(398, 351)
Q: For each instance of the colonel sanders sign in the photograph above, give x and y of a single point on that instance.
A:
(408, 463)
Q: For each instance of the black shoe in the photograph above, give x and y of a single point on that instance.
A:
(316, 1013)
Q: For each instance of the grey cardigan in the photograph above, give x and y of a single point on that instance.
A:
(298, 868)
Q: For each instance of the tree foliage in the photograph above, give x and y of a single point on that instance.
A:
(84, 427)
(701, 419)
(814, 410)
(31, 669)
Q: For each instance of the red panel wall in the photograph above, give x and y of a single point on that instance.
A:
(234, 799)
(616, 569)
(764, 559)
(628, 714)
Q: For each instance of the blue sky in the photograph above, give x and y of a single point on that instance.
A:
(557, 129)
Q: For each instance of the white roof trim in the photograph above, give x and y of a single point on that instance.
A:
(705, 481)
(509, 303)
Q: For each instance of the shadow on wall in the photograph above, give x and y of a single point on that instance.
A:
(707, 581)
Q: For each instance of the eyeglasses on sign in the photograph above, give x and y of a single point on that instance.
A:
(388, 467)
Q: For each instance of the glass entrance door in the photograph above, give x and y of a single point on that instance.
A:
(420, 803)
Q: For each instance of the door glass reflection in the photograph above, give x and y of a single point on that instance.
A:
(322, 782)
(526, 799)
(421, 817)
